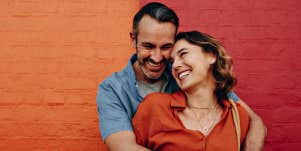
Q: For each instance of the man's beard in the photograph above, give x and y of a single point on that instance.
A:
(145, 71)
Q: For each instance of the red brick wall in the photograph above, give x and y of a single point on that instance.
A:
(53, 54)
(264, 39)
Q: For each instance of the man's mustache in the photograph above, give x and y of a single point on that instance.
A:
(164, 60)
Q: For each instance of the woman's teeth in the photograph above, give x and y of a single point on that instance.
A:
(184, 74)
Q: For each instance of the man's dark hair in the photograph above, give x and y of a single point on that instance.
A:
(158, 11)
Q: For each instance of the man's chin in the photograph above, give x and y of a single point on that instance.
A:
(154, 76)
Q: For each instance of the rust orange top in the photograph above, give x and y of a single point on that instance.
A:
(158, 127)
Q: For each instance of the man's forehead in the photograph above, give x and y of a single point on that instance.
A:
(151, 25)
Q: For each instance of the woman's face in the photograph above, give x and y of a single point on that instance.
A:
(191, 66)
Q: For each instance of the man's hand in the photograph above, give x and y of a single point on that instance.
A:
(257, 131)
(123, 141)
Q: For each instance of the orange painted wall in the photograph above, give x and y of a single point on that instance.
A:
(53, 54)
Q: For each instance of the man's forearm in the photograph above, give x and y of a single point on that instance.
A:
(127, 147)
(256, 135)
(257, 131)
(123, 141)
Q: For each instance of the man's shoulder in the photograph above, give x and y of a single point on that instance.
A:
(112, 78)
(120, 77)
(115, 79)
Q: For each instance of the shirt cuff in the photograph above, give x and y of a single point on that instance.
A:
(105, 133)
(233, 96)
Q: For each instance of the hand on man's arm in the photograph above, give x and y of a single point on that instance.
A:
(257, 131)
(123, 141)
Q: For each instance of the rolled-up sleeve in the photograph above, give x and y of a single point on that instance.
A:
(112, 114)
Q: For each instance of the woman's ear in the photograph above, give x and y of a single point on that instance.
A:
(212, 58)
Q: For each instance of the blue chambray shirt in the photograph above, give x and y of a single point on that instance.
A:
(118, 99)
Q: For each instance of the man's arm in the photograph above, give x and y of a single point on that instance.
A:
(123, 141)
(257, 131)
(115, 122)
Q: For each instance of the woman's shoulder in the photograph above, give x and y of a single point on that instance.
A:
(156, 100)
(153, 107)
(157, 95)
(243, 114)
(244, 120)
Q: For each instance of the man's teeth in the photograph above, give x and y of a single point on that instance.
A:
(154, 64)
(184, 74)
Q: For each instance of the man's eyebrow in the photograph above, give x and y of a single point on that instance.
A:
(146, 43)
(168, 44)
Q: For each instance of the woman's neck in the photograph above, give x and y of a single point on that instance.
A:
(202, 95)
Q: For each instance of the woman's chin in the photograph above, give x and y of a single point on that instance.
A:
(184, 87)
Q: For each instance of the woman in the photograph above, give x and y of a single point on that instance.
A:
(200, 116)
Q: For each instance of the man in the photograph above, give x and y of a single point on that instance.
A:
(154, 30)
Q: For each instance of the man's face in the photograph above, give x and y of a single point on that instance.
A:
(153, 44)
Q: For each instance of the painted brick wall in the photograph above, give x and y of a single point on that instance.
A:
(53, 54)
(263, 36)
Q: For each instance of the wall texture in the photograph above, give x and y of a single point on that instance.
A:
(263, 37)
(53, 54)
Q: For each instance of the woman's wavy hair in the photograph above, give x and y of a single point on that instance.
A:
(222, 68)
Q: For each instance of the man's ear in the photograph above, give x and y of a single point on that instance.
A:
(133, 39)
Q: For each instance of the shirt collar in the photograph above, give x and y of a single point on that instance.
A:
(129, 69)
(179, 101)
(131, 78)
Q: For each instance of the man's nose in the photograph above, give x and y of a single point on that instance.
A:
(157, 55)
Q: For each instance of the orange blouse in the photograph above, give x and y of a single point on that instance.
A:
(158, 127)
